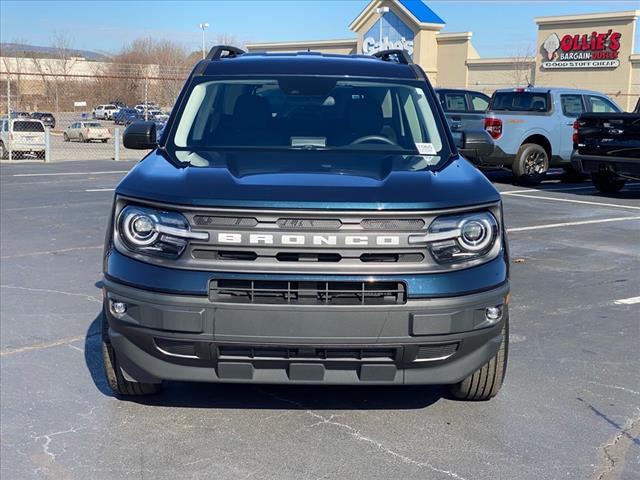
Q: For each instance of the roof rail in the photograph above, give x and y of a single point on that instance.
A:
(216, 53)
(401, 56)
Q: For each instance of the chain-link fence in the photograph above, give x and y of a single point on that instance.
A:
(70, 90)
(74, 128)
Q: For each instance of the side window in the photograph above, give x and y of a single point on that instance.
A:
(601, 105)
(479, 103)
(571, 105)
(455, 102)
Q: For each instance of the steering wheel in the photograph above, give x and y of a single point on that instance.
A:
(370, 138)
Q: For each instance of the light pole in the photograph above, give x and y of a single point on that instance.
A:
(203, 27)
(381, 11)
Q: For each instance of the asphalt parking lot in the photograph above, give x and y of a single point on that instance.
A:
(570, 407)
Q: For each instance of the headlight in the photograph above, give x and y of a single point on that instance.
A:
(462, 238)
(155, 232)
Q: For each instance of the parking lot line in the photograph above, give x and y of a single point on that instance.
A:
(99, 189)
(570, 224)
(67, 173)
(556, 189)
(569, 200)
(627, 301)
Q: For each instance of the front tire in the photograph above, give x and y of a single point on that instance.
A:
(485, 383)
(607, 182)
(65, 137)
(531, 164)
(4, 153)
(120, 385)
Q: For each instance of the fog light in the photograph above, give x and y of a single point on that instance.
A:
(118, 308)
(493, 313)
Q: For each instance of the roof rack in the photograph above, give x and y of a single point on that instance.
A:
(401, 56)
(216, 53)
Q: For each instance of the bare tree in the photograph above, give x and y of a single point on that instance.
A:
(55, 72)
(523, 72)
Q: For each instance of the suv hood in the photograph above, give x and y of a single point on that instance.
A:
(308, 180)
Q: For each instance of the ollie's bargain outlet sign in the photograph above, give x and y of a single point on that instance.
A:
(595, 50)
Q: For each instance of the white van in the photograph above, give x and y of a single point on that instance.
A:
(25, 137)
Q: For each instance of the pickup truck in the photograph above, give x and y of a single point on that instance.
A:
(608, 147)
(532, 128)
(465, 111)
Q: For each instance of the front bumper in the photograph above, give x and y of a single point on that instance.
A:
(166, 336)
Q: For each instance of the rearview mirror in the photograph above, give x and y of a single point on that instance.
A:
(140, 136)
(475, 144)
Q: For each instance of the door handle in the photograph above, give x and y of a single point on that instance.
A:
(570, 124)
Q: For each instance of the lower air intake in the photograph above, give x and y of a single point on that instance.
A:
(436, 352)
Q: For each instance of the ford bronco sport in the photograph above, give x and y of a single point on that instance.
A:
(305, 219)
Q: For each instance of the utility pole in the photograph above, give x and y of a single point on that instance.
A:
(381, 11)
(203, 27)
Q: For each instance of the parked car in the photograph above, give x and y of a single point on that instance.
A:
(141, 107)
(637, 109)
(335, 237)
(532, 127)
(134, 117)
(86, 132)
(105, 112)
(46, 118)
(23, 136)
(607, 145)
(20, 114)
(465, 110)
(121, 117)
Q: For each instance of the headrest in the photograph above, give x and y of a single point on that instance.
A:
(251, 112)
(364, 117)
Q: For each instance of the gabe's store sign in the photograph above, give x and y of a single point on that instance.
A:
(595, 50)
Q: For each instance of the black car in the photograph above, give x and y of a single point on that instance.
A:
(305, 219)
(47, 118)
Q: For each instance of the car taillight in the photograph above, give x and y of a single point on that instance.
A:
(87, 130)
(493, 126)
(576, 134)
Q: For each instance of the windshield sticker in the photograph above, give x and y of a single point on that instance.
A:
(426, 148)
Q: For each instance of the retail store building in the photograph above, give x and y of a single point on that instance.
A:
(592, 51)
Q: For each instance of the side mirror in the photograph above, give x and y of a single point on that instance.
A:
(140, 136)
(475, 144)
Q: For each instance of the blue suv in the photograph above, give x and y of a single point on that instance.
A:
(305, 219)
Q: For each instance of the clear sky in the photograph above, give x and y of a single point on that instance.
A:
(500, 28)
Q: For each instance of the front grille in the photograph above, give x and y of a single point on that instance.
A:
(259, 352)
(307, 293)
(392, 224)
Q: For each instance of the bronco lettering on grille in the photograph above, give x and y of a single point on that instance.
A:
(316, 240)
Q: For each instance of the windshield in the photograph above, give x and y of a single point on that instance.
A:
(314, 113)
(93, 125)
